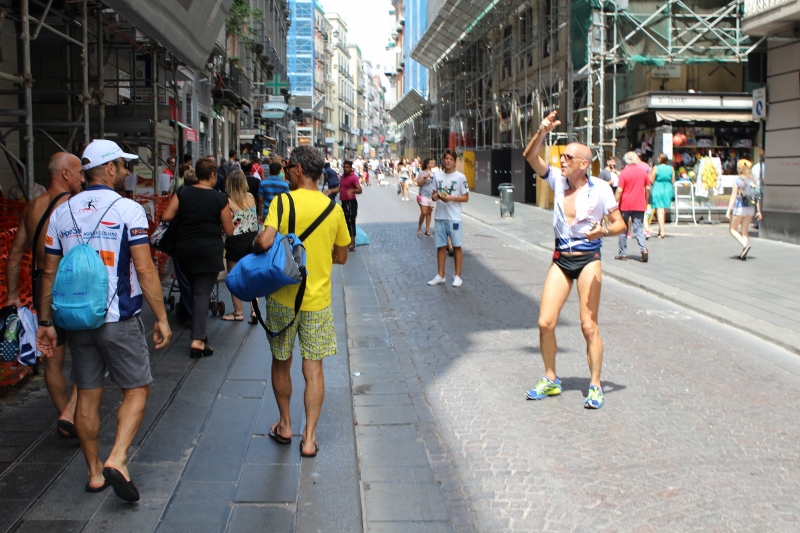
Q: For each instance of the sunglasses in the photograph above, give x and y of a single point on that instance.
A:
(570, 158)
(290, 165)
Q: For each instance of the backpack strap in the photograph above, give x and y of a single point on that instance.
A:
(301, 290)
(40, 226)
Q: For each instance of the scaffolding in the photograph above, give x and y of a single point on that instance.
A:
(65, 95)
(524, 58)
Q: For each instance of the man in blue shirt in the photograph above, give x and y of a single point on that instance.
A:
(270, 187)
(331, 181)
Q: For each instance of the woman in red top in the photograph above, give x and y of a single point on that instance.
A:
(349, 187)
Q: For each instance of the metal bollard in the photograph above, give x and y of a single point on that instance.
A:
(506, 199)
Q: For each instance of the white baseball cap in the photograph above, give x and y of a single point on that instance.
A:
(101, 151)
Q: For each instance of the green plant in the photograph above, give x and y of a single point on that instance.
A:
(241, 18)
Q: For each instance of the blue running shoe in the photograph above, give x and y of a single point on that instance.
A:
(544, 387)
(594, 400)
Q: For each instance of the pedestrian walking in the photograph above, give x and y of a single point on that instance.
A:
(404, 174)
(450, 190)
(331, 185)
(349, 187)
(744, 206)
(662, 179)
(245, 229)
(424, 198)
(273, 185)
(631, 195)
(118, 346)
(581, 202)
(66, 178)
(326, 245)
(203, 215)
(610, 174)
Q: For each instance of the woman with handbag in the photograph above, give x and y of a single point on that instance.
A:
(426, 203)
(200, 212)
(245, 229)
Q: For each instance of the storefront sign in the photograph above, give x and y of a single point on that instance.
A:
(273, 114)
(685, 101)
(190, 135)
(250, 131)
(669, 71)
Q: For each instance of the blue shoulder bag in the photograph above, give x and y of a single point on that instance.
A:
(261, 274)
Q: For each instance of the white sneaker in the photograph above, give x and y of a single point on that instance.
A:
(457, 281)
(438, 280)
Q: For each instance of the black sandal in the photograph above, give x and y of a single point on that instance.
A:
(253, 319)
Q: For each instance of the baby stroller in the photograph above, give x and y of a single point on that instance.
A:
(183, 306)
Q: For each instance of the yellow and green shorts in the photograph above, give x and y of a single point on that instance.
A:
(315, 328)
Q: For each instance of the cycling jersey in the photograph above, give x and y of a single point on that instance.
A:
(592, 201)
(125, 225)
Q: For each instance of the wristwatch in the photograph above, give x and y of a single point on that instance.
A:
(608, 232)
(45, 323)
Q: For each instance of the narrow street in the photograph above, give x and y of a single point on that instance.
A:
(425, 426)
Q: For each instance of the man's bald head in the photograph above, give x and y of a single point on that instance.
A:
(61, 161)
(582, 151)
(65, 172)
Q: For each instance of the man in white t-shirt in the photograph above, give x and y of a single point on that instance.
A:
(117, 229)
(450, 190)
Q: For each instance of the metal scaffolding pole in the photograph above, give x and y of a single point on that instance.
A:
(86, 97)
(27, 87)
(101, 91)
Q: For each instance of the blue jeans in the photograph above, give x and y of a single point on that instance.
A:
(638, 231)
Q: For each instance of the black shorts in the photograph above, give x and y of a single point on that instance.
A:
(61, 334)
(238, 246)
(572, 265)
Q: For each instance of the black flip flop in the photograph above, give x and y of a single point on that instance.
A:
(123, 488)
(104, 486)
(66, 429)
(303, 454)
(273, 434)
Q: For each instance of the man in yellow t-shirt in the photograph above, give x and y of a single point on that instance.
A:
(326, 245)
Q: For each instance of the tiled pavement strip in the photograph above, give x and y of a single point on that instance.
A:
(698, 431)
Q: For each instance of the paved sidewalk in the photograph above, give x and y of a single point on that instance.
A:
(202, 459)
(696, 267)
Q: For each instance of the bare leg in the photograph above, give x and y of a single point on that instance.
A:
(428, 219)
(56, 384)
(421, 219)
(458, 259)
(314, 395)
(237, 303)
(736, 221)
(746, 221)
(441, 254)
(555, 293)
(589, 283)
(661, 215)
(87, 425)
(282, 387)
(129, 418)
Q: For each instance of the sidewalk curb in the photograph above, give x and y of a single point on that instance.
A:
(785, 338)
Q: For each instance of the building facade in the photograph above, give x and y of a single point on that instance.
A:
(778, 22)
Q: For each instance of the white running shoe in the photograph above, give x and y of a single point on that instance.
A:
(457, 281)
(438, 280)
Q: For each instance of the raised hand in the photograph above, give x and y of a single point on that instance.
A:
(549, 123)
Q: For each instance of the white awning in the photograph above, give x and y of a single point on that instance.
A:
(409, 107)
(622, 120)
(704, 116)
(455, 19)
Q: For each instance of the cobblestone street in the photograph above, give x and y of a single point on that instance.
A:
(697, 433)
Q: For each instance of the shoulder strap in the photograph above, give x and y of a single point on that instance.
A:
(319, 220)
(40, 226)
(301, 290)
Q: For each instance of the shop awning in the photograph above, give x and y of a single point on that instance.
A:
(188, 29)
(704, 116)
(454, 20)
(622, 120)
(409, 107)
